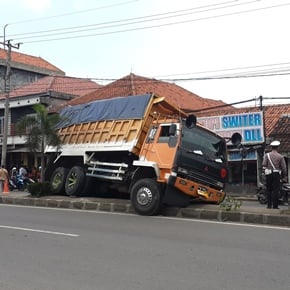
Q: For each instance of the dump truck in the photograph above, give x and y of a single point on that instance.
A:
(143, 146)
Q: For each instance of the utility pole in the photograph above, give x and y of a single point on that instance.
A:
(261, 103)
(8, 45)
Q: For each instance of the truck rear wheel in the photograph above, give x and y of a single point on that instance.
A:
(57, 180)
(74, 181)
(146, 197)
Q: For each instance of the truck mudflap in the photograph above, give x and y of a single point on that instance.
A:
(196, 190)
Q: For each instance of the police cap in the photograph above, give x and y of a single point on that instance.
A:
(275, 143)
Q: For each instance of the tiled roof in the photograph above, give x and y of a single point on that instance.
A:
(281, 132)
(59, 84)
(137, 85)
(271, 114)
(30, 61)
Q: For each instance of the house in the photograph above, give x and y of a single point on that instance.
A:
(25, 69)
(48, 90)
(281, 132)
(137, 85)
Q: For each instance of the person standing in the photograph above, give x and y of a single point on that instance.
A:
(4, 177)
(23, 171)
(275, 169)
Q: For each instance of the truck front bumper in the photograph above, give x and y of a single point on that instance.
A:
(197, 190)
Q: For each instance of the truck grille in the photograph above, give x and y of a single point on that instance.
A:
(202, 178)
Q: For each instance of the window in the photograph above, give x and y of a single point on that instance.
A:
(30, 125)
(164, 134)
(210, 144)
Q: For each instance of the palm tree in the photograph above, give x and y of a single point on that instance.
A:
(39, 131)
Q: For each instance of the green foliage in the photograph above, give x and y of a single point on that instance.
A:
(39, 131)
(39, 189)
(230, 203)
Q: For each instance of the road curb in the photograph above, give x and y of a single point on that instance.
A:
(237, 216)
(278, 219)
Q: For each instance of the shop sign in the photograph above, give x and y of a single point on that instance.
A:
(236, 156)
(249, 125)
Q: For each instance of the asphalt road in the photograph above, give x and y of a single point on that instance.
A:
(44, 248)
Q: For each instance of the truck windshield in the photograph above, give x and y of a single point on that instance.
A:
(200, 141)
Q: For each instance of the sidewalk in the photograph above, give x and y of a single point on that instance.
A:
(245, 214)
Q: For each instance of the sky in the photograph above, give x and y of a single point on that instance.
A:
(234, 51)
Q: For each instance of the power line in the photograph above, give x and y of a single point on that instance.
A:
(70, 13)
(128, 20)
(151, 81)
(155, 26)
(226, 69)
(29, 91)
(223, 106)
(234, 75)
(228, 77)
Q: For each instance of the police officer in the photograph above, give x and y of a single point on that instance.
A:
(275, 169)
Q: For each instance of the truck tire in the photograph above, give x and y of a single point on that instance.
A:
(57, 180)
(146, 197)
(75, 181)
(87, 187)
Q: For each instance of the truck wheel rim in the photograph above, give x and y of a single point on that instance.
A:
(72, 179)
(57, 180)
(144, 196)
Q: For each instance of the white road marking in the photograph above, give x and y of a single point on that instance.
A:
(228, 223)
(38, 231)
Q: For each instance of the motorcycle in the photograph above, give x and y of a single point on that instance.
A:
(11, 185)
(19, 183)
(284, 191)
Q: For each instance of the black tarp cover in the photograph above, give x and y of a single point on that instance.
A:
(121, 108)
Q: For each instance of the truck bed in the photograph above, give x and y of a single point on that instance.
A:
(109, 135)
(118, 124)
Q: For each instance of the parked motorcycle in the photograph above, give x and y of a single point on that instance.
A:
(19, 183)
(11, 185)
(284, 191)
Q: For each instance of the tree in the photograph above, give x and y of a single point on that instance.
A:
(39, 131)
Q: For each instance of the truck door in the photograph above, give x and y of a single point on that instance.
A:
(161, 144)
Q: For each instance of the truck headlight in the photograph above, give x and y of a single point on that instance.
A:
(182, 170)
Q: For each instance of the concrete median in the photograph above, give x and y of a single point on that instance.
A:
(245, 214)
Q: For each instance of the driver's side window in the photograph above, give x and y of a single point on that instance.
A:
(164, 134)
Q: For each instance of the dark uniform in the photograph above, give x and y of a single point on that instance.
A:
(275, 169)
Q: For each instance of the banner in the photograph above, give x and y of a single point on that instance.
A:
(249, 125)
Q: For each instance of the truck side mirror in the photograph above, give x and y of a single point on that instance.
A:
(190, 121)
(236, 139)
(172, 130)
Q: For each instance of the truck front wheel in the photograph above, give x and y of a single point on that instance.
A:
(146, 197)
(75, 181)
(57, 180)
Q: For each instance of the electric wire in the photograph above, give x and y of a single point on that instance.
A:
(157, 25)
(70, 13)
(268, 72)
(246, 74)
(140, 82)
(225, 69)
(120, 22)
(32, 91)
